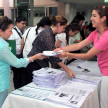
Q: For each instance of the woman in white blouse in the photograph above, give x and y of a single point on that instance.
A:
(63, 38)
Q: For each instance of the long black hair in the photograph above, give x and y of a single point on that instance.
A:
(44, 21)
(73, 27)
(78, 18)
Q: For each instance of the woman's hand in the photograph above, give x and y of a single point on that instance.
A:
(62, 55)
(39, 56)
(57, 49)
(71, 74)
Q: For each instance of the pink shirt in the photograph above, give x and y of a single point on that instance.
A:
(101, 44)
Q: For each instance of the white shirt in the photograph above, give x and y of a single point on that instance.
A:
(62, 38)
(15, 36)
(31, 37)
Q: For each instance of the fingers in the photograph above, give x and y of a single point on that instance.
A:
(58, 49)
(71, 74)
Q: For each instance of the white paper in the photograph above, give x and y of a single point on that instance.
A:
(36, 93)
(72, 94)
(51, 53)
(92, 79)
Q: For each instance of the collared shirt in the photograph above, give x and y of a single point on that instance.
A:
(31, 37)
(45, 41)
(15, 36)
(6, 59)
(102, 45)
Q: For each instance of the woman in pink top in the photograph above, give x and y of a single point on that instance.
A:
(100, 39)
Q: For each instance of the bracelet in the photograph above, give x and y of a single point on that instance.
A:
(67, 55)
(31, 59)
(61, 48)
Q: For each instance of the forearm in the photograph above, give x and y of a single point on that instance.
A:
(62, 65)
(31, 59)
(69, 72)
(83, 56)
(72, 47)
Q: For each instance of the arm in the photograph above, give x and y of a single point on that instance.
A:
(22, 44)
(69, 72)
(8, 57)
(85, 56)
(75, 47)
(58, 43)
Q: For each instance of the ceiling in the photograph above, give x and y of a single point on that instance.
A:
(87, 3)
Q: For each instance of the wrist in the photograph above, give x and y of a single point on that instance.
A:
(61, 48)
(31, 59)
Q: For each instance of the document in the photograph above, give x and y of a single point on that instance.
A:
(36, 93)
(92, 79)
(71, 94)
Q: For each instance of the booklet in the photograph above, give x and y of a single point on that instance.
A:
(51, 53)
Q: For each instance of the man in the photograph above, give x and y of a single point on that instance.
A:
(84, 26)
(18, 31)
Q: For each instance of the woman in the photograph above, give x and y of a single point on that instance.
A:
(34, 31)
(63, 38)
(46, 42)
(100, 39)
(79, 19)
(7, 58)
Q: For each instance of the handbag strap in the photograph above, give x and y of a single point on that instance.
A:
(17, 32)
(25, 40)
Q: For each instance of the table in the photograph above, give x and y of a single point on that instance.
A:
(17, 101)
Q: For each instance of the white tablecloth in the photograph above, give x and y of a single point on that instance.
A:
(16, 101)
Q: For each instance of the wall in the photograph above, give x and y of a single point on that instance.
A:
(1, 4)
(61, 9)
(44, 3)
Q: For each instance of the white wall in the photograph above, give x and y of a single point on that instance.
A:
(1, 3)
(36, 20)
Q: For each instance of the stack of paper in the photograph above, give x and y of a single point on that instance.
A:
(48, 77)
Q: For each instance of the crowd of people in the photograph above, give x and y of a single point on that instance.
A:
(52, 34)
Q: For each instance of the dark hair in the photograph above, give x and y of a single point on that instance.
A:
(78, 18)
(44, 21)
(90, 27)
(20, 18)
(86, 22)
(58, 19)
(73, 27)
(102, 11)
(4, 22)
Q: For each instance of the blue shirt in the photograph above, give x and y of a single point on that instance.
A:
(7, 58)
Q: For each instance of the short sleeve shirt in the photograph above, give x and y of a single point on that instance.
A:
(62, 38)
(101, 44)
